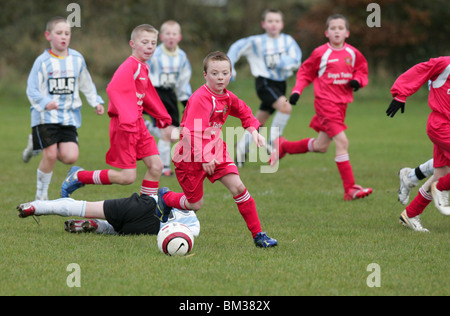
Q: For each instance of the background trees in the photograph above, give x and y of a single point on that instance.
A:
(411, 31)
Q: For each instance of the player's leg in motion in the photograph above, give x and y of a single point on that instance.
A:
(410, 217)
(247, 207)
(243, 145)
(342, 159)
(410, 177)
(78, 177)
(62, 207)
(69, 207)
(283, 113)
(164, 147)
(280, 120)
(440, 190)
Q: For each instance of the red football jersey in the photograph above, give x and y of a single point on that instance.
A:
(437, 71)
(331, 70)
(130, 92)
(201, 125)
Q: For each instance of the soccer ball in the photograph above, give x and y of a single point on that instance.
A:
(175, 239)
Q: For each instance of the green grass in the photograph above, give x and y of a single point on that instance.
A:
(325, 244)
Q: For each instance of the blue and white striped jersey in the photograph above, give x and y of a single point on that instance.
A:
(60, 80)
(171, 70)
(271, 58)
(187, 218)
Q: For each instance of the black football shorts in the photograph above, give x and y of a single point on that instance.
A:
(46, 135)
(134, 215)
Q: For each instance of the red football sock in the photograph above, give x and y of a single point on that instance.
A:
(346, 171)
(299, 147)
(247, 208)
(176, 200)
(94, 177)
(444, 183)
(419, 204)
(149, 187)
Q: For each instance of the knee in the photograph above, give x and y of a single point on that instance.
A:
(127, 179)
(156, 167)
(239, 189)
(320, 148)
(286, 107)
(68, 159)
(196, 206)
(342, 145)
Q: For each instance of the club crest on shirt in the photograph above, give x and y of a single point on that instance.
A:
(348, 61)
(225, 109)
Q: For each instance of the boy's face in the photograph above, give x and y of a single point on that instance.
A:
(218, 75)
(59, 37)
(170, 37)
(273, 24)
(144, 45)
(337, 32)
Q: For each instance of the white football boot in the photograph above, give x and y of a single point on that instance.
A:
(440, 199)
(405, 186)
(413, 223)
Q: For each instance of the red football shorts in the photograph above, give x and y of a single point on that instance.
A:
(126, 148)
(438, 130)
(190, 175)
(329, 117)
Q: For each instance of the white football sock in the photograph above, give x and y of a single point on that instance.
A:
(244, 143)
(42, 184)
(105, 228)
(164, 152)
(426, 168)
(63, 207)
(279, 122)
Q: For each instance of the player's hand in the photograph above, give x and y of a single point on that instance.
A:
(51, 106)
(259, 140)
(293, 99)
(163, 123)
(210, 167)
(355, 85)
(99, 109)
(394, 107)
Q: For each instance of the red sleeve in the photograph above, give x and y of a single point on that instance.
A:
(361, 70)
(242, 111)
(154, 106)
(122, 98)
(307, 72)
(410, 81)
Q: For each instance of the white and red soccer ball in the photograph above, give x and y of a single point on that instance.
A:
(175, 239)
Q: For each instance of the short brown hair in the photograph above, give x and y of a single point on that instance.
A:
(335, 17)
(217, 56)
(263, 16)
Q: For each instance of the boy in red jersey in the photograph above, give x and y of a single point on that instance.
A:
(130, 92)
(201, 153)
(437, 71)
(337, 69)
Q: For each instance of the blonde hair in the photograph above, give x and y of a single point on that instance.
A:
(169, 23)
(143, 28)
(53, 21)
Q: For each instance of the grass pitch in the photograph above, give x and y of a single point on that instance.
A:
(326, 245)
